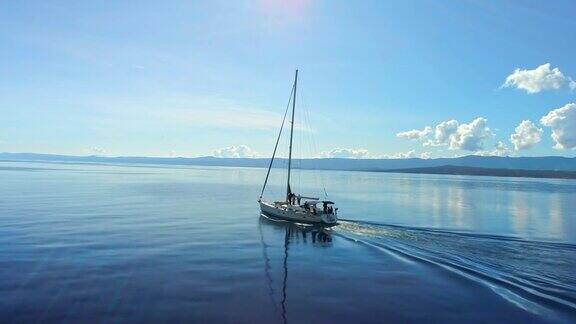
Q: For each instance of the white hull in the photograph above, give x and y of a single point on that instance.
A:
(297, 214)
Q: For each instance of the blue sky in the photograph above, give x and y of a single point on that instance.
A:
(192, 78)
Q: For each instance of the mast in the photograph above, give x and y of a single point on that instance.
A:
(291, 135)
(276, 146)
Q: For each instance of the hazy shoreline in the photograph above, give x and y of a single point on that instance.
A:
(471, 171)
(524, 167)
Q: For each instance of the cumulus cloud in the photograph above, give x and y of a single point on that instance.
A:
(500, 149)
(345, 153)
(563, 124)
(538, 79)
(471, 136)
(526, 135)
(415, 134)
(95, 150)
(425, 155)
(400, 155)
(443, 132)
(240, 151)
(572, 85)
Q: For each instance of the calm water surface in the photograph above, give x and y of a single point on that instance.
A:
(101, 243)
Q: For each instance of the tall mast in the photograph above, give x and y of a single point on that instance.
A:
(291, 135)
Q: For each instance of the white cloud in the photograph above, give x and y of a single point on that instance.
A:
(226, 118)
(400, 155)
(539, 79)
(95, 150)
(240, 151)
(500, 149)
(365, 154)
(174, 109)
(563, 124)
(443, 132)
(345, 153)
(526, 135)
(471, 136)
(572, 85)
(415, 134)
(425, 155)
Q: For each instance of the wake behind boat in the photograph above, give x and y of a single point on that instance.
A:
(295, 207)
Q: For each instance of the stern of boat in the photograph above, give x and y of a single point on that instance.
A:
(329, 219)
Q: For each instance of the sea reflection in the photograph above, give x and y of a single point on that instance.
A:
(292, 233)
(507, 207)
(558, 222)
(300, 233)
(520, 211)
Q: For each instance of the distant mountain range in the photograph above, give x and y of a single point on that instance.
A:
(464, 170)
(546, 163)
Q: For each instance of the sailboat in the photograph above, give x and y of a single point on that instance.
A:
(295, 207)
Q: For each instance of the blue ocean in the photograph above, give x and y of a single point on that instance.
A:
(149, 243)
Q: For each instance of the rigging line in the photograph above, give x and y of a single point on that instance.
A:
(277, 141)
(315, 147)
(307, 130)
(300, 137)
(311, 143)
(309, 136)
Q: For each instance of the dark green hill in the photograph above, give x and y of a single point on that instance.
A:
(474, 171)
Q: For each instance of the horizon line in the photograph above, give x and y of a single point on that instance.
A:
(267, 158)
